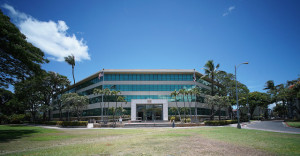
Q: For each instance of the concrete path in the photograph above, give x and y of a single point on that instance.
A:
(273, 126)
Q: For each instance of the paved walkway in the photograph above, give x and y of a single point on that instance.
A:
(273, 126)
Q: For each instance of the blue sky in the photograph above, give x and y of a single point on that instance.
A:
(165, 35)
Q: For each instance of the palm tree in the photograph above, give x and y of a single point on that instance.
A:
(121, 99)
(190, 93)
(175, 94)
(106, 92)
(99, 92)
(115, 93)
(211, 71)
(183, 93)
(196, 91)
(71, 61)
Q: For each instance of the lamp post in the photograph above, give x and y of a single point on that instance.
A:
(237, 98)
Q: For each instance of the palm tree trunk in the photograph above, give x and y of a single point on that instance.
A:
(178, 109)
(195, 113)
(184, 110)
(73, 74)
(190, 109)
(115, 113)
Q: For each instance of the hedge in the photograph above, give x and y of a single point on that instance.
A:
(71, 123)
(219, 122)
(12, 119)
(63, 123)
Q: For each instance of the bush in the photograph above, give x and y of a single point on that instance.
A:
(51, 122)
(176, 118)
(71, 123)
(257, 118)
(3, 119)
(187, 120)
(219, 122)
(172, 118)
(291, 120)
(16, 118)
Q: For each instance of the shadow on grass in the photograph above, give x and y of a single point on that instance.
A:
(8, 135)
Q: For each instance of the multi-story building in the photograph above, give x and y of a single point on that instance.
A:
(147, 92)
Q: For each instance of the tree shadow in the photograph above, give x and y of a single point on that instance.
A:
(8, 135)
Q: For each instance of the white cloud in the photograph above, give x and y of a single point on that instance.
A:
(51, 37)
(228, 11)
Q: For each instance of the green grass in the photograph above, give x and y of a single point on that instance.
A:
(294, 124)
(270, 141)
(28, 140)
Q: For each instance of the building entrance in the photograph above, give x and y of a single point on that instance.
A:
(149, 112)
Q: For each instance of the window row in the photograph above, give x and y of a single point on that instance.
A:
(148, 87)
(148, 77)
(128, 98)
(143, 77)
(143, 88)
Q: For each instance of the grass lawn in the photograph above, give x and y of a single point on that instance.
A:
(28, 140)
(294, 124)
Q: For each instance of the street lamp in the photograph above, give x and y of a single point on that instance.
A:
(237, 98)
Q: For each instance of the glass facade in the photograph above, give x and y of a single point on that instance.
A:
(143, 77)
(148, 77)
(128, 98)
(149, 87)
(142, 88)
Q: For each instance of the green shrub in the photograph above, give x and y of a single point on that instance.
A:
(3, 119)
(176, 118)
(291, 120)
(219, 122)
(231, 121)
(187, 120)
(51, 123)
(16, 118)
(172, 118)
(71, 123)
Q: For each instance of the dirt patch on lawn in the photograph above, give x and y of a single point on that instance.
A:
(198, 145)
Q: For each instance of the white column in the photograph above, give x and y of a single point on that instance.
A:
(133, 110)
(165, 111)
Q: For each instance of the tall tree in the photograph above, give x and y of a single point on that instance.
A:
(121, 99)
(196, 92)
(211, 71)
(57, 84)
(175, 94)
(29, 95)
(9, 104)
(71, 61)
(106, 93)
(183, 93)
(19, 59)
(99, 92)
(115, 93)
(190, 93)
(258, 100)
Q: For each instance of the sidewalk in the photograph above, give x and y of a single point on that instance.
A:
(268, 126)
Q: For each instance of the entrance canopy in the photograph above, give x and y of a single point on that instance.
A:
(153, 103)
